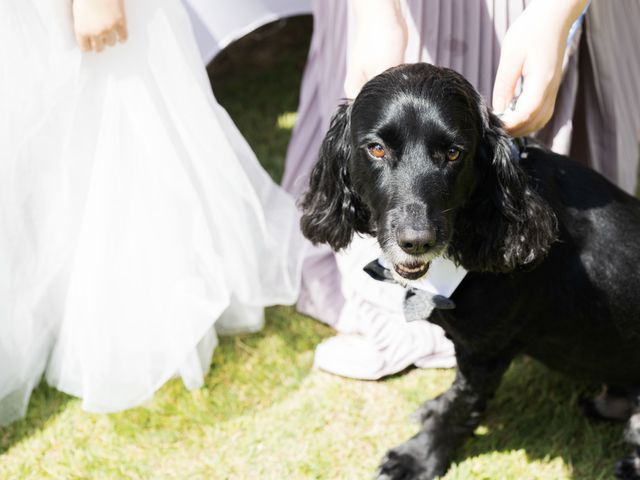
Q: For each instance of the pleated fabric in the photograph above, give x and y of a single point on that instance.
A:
(135, 221)
(601, 70)
(608, 110)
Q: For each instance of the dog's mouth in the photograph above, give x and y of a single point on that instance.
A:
(411, 271)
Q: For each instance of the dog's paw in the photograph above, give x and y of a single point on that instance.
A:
(412, 460)
(401, 466)
(629, 467)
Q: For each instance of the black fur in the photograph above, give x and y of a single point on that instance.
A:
(551, 247)
(333, 210)
(505, 223)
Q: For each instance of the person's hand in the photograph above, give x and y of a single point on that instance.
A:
(98, 23)
(379, 41)
(533, 49)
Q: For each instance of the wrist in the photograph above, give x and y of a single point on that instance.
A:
(565, 11)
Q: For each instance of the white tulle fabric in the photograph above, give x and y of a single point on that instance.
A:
(134, 218)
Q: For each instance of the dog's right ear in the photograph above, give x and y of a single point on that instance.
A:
(332, 212)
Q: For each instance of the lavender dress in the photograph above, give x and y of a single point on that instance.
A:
(597, 115)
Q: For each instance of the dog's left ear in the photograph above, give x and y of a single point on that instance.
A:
(332, 212)
(513, 225)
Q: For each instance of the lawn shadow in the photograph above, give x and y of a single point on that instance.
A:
(44, 405)
(537, 410)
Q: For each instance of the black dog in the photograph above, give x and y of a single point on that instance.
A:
(419, 161)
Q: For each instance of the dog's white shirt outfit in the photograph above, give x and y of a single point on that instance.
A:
(375, 340)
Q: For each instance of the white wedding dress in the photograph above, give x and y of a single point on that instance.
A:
(135, 221)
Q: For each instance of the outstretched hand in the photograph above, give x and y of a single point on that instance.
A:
(99, 23)
(533, 49)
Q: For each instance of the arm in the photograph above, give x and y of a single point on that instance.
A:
(533, 49)
(379, 41)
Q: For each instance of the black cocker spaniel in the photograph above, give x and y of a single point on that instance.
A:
(552, 248)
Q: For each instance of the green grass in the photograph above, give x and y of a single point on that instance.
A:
(264, 413)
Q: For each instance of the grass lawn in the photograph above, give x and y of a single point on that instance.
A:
(264, 413)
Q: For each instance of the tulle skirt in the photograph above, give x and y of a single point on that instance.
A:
(135, 221)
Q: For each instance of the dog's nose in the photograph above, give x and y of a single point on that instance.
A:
(416, 242)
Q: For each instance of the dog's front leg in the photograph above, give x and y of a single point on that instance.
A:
(447, 421)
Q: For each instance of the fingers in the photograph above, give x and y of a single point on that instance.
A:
(533, 109)
(537, 120)
(507, 76)
(110, 38)
(84, 42)
(99, 24)
(97, 43)
(121, 31)
(527, 109)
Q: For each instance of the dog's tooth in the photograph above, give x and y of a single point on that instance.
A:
(412, 270)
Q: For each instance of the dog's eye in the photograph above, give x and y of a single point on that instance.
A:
(453, 154)
(376, 150)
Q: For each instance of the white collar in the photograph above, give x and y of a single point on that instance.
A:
(442, 278)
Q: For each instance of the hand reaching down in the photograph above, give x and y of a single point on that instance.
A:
(99, 23)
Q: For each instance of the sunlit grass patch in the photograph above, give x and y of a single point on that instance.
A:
(287, 120)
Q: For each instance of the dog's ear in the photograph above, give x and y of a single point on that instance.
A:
(332, 212)
(510, 223)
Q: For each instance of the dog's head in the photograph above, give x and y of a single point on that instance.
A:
(419, 161)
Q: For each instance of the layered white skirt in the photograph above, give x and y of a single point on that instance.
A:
(135, 221)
